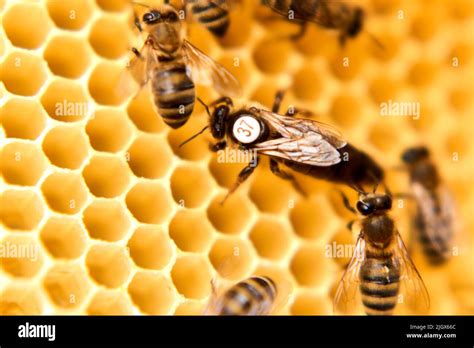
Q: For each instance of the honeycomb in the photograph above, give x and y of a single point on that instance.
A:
(103, 214)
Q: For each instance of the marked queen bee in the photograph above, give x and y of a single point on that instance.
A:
(304, 145)
(435, 219)
(174, 65)
(330, 14)
(380, 274)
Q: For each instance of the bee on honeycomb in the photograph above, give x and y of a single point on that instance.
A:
(103, 213)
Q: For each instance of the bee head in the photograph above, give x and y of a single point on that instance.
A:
(357, 23)
(372, 203)
(415, 154)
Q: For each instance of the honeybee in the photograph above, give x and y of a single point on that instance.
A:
(212, 14)
(174, 65)
(253, 296)
(435, 218)
(380, 270)
(306, 146)
(331, 14)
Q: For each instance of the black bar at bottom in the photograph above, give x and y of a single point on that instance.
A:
(137, 330)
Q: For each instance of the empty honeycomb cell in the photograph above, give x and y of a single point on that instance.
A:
(149, 203)
(70, 14)
(391, 46)
(105, 28)
(346, 65)
(461, 9)
(458, 144)
(426, 24)
(307, 84)
(20, 300)
(22, 118)
(109, 130)
(67, 285)
(150, 247)
(233, 216)
(192, 276)
(232, 258)
(346, 110)
(317, 42)
(104, 84)
(310, 218)
(67, 56)
(29, 33)
(150, 156)
(423, 73)
(64, 192)
(191, 186)
(272, 56)
(152, 293)
(270, 238)
(113, 5)
(22, 163)
(264, 185)
(22, 256)
(191, 231)
(110, 302)
(382, 135)
(239, 67)
(311, 304)
(23, 73)
(460, 98)
(108, 265)
(106, 176)
(20, 209)
(461, 54)
(341, 247)
(143, 114)
(64, 237)
(106, 220)
(384, 89)
(191, 308)
(383, 6)
(196, 150)
(225, 170)
(311, 266)
(66, 146)
(66, 101)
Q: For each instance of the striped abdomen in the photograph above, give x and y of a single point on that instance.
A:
(174, 94)
(379, 285)
(253, 296)
(213, 15)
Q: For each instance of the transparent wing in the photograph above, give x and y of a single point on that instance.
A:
(438, 223)
(292, 127)
(205, 71)
(346, 298)
(412, 291)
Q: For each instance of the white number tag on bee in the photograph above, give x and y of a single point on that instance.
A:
(246, 129)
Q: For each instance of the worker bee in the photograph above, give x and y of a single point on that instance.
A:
(212, 14)
(435, 217)
(380, 270)
(174, 65)
(331, 14)
(253, 296)
(304, 145)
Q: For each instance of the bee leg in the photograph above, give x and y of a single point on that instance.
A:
(346, 202)
(136, 22)
(292, 111)
(350, 224)
(278, 99)
(217, 147)
(225, 100)
(136, 52)
(243, 175)
(275, 168)
(302, 31)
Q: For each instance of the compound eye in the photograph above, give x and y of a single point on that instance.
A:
(150, 17)
(364, 208)
(246, 129)
(386, 203)
(172, 17)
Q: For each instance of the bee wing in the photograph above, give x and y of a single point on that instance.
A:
(438, 226)
(205, 71)
(284, 291)
(312, 11)
(347, 296)
(292, 127)
(412, 288)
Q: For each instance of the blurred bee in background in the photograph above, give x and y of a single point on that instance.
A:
(253, 296)
(380, 270)
(306, 146)
(212, 14)
(330, 14)
(435, 217)
(174, 65)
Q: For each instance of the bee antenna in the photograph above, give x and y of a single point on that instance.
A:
(377, 41)
(357, 188)
(194, 136)
(140, 4)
